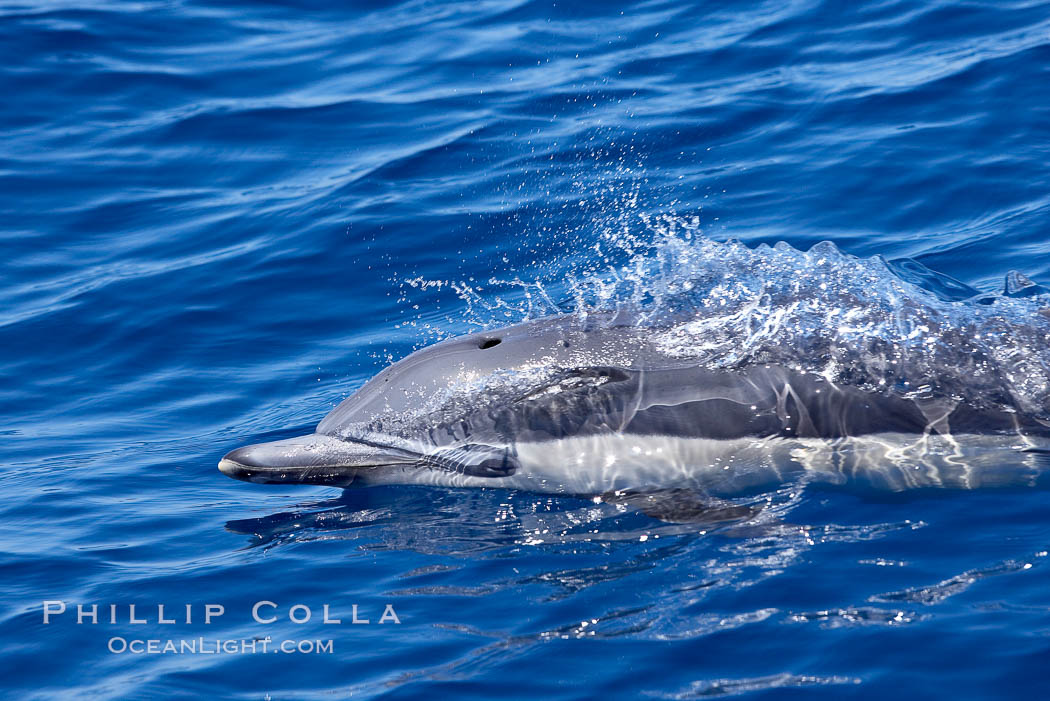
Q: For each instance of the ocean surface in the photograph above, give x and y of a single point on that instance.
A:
(219, 219)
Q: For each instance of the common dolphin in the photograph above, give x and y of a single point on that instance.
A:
(589, 405)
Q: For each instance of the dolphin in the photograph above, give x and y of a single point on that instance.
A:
(591, 405)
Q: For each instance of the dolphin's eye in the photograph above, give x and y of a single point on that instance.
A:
(578, 381)
(488, 343)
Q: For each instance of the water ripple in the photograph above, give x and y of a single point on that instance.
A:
(220, 219)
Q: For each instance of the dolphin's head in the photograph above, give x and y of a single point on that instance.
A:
(458, 406)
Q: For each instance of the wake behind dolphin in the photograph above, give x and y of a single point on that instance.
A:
(769, 364)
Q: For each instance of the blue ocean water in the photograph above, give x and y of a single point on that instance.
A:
(219, 219)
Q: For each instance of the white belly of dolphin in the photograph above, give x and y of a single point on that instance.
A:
(891, 461)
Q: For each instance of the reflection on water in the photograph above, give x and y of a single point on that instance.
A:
(466, 522)
(607, 571)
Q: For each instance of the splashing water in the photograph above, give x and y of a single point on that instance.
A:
(889, 326)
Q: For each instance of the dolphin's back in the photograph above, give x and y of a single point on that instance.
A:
(611, 377)
(775, 402)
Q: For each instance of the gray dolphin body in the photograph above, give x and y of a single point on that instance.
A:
(587, 406)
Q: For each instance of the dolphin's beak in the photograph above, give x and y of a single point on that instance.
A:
(313, 459)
